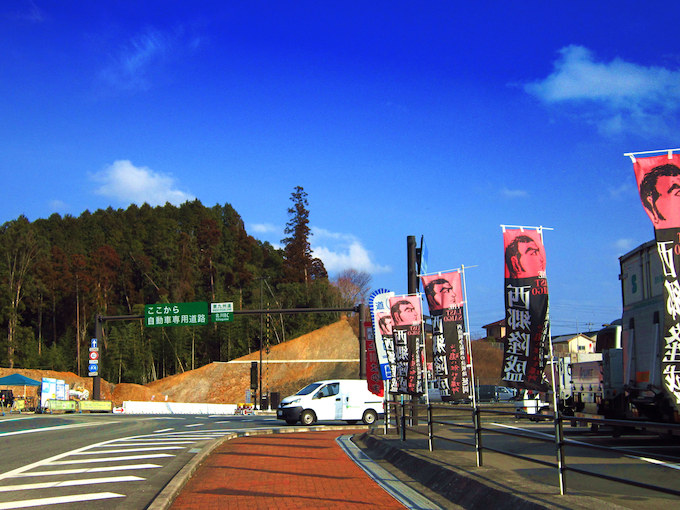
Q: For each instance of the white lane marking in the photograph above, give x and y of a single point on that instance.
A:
(158, 443)
(61, 499)
(69, 483)
(528, 431)
(58, 427)
(196, 438)
(195, 425)
(126, 450)
(657, 462)
(111, 459)
(50, 460)
(584, 444)
(79, 471)
(163, 430)
(159, 440)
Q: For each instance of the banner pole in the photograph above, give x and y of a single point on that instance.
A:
(468, 343)
(470, 366)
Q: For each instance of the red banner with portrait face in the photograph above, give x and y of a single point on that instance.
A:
(407, 318)
(658, 179)
(449, 354)
(526, 310)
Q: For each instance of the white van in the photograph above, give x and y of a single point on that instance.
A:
(337, 399)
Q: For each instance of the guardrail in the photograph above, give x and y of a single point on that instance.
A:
(428, 420)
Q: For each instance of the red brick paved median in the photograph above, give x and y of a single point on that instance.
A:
(300, 470)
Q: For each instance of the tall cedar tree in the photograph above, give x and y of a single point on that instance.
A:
(300, 266)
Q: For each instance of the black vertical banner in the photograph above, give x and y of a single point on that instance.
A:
(658, 179)
(449, 354)
(407, 334)
(526, 310)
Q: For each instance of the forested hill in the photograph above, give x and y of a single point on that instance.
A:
(58, 273)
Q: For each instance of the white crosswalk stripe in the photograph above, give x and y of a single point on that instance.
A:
(53, 474)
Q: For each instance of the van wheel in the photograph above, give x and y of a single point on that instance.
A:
(307, 417)
(369, 416)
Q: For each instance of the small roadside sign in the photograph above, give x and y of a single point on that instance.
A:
(94, 356)
(222, 312)
(222, 317)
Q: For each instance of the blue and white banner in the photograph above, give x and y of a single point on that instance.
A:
(379, 306)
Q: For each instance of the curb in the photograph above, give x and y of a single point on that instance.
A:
(169, 493)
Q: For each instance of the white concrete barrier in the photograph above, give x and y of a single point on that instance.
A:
(132, 407)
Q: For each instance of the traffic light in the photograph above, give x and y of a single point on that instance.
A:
(253, 375)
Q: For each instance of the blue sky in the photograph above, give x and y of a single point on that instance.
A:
(442, 119)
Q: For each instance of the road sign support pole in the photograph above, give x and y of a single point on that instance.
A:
(96, 380)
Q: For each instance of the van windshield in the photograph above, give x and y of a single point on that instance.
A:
(308, 389)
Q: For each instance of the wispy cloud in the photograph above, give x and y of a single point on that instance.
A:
(58, 206)
(133, 66)
(615, 95)
(340, 251)
(514, 193)
(624, 190)
(127, 183)
(26, 10)
(624, 245)
(263, 228)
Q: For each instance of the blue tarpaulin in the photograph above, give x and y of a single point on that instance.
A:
(18, 380)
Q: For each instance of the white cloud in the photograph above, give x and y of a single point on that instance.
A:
(263, 228)
(343, 251)
(514, 193)
(127, 183)
(615, 95)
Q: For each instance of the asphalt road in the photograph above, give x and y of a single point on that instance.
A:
(107, 461)
(104, 461)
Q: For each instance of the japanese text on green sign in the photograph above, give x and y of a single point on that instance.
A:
(176, 314)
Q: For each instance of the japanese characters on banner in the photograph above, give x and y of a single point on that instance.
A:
(407, 317)
(526, 309)
(379, 306)
(444, 295)
(658, 179)
(375, 384)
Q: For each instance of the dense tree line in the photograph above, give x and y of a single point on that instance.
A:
(58, 273)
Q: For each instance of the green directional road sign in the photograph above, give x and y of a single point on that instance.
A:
(222, 317)
(222, 312)
(176, 314)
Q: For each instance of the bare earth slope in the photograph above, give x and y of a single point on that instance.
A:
(282, 370)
